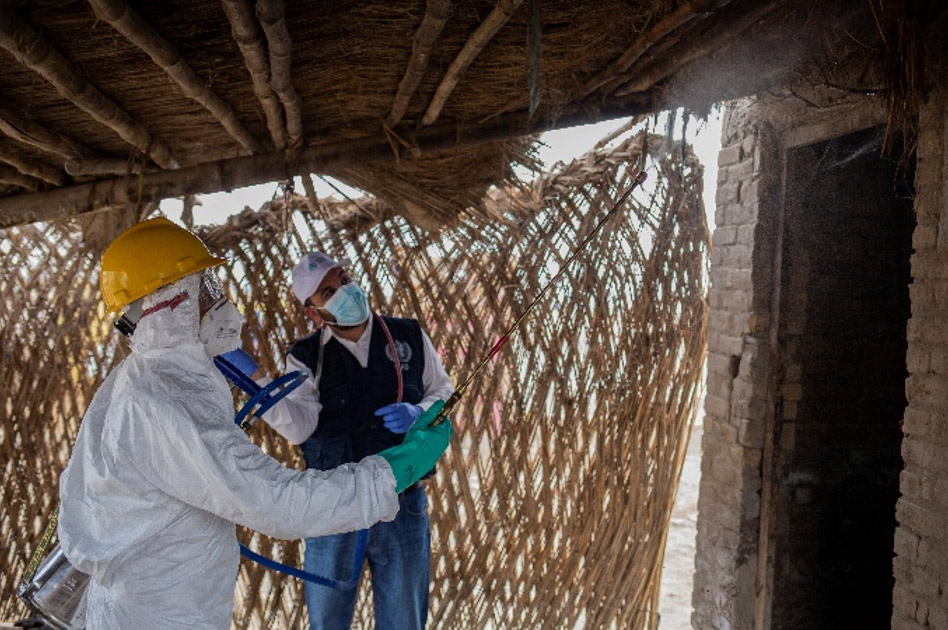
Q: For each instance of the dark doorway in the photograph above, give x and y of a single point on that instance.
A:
(844, 307)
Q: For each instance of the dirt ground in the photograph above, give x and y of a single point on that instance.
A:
(679, 568)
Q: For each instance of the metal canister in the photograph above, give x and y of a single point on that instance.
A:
(57, 592)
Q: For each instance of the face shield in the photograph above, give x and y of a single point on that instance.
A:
(211, 292)
(221, 321)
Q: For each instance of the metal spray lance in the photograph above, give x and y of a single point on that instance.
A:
(502, 341)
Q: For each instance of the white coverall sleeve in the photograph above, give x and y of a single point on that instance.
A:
(212, 465)
(435, 379)
(296, 416)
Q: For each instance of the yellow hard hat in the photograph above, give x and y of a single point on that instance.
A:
(147, 256)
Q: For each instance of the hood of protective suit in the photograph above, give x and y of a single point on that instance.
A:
(170, 321)
(160, 474)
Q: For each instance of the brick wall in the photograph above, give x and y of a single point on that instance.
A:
(728, 503)
(920, 598)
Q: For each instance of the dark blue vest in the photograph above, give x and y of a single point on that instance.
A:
(348, 430)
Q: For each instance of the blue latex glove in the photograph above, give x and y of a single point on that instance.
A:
(398, 417)
(241, 360)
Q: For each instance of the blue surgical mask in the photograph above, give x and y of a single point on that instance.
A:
(348, 305)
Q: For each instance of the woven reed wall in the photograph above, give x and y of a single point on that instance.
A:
(552, 505)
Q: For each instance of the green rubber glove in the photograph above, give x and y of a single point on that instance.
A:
(427, 416)
(423, 446)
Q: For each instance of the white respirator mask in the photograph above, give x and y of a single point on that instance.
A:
(220, 328)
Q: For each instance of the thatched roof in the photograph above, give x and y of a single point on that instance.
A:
(419, 103)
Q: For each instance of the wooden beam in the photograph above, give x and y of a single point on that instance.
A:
(246, 32)
(30, 166)
(436, 15)
(33, 51)
(312, 201)
(248, 170)
(273, 20)
(104, 166)
(677, 18)
(22, 130)
(698, 47)
(13, 177)
(472, 48)
(660, 49)
(167, 57)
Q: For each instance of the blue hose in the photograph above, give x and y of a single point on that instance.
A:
(346, 585)
(262, 399)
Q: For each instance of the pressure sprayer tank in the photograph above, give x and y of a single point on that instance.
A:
(57, 592)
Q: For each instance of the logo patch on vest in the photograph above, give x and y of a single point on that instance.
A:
(404, 353)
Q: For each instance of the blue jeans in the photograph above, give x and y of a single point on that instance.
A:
(398, 554)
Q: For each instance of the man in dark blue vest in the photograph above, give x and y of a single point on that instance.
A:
(370, 377)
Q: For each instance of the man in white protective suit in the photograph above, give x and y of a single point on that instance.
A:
(160, 473)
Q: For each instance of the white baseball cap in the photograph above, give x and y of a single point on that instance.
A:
(310, 271)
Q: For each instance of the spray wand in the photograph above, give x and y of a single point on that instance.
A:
(502, 341)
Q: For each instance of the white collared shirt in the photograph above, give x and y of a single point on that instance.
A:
(297, 415)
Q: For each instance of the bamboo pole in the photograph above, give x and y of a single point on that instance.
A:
(167, 57)
(436, 15)
(312, 200)
(33, 51)
(677, 18)
(30, 166)
(254, 169)
(273, 20)
(662, 47)
(23, 130)
(698, 47)
(246, 32)
(104, 166)
(13, 177)
(472, 48)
